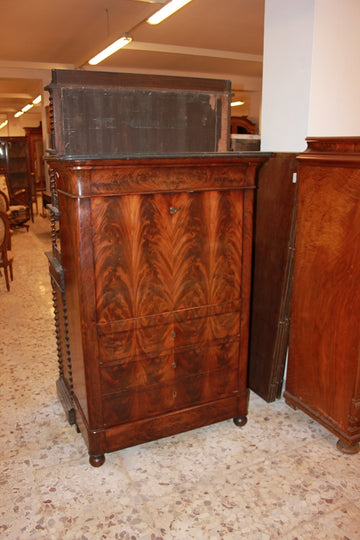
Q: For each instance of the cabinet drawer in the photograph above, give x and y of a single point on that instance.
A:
(130, 339)
(141, 372)
(193, 330)
(154, 335)
(158, 399)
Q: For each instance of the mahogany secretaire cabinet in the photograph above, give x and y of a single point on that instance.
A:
(323, 376)
(151, 278)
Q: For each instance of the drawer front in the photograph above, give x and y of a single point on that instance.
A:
(127, 341)
(139, 373)
(158, 335)
(154, 400)
(190, 331)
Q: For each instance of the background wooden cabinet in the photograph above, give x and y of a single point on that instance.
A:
(14, 164)
(34, 139)
(274, 237)
(323, 376)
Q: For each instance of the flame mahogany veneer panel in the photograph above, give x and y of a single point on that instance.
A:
(166, 252)
(136, 372)
(155, 400)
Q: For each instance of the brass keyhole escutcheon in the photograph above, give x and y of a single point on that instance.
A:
(174, 365)
(173, 210)
(174, 394)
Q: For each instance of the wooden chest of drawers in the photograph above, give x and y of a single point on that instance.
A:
(151, 280)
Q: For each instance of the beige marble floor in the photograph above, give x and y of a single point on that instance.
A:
(280, 476)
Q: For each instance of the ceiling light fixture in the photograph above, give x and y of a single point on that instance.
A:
(152, 1)
(5, 123)
(111, 49)
(27, 107)
(167, 10)
(237, 103)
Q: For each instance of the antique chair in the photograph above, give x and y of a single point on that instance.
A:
(6, 258)
(4, 203)
(18, 212)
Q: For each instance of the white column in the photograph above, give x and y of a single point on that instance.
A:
(288, 41)
(335, 81)
(311, 74)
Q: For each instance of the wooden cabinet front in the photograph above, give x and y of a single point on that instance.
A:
(156, 255)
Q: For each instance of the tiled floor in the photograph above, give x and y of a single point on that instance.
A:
(280, 476)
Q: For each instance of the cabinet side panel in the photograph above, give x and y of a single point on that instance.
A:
(69, 234)
(325, 313)
(275, 201)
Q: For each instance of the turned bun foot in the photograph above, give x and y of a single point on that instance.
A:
(97, 461)
(240, 421)
(348, 448)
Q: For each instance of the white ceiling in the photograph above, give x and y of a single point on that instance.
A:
(212, 37)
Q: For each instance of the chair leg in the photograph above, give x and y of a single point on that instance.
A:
(7, 278)
(11, 271)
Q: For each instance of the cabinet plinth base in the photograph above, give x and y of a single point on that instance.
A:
(348, 448)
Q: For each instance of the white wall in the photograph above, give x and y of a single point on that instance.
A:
(335, 83)
(37, 114)
(311, 76)
(288, 43)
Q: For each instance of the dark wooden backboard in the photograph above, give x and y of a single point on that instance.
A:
(272, 272)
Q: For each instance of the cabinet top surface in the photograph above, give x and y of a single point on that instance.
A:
(162, 158)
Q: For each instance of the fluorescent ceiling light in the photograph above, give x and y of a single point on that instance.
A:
(111, 49)
(27, 107)
(19, 113)
(37, 100)
(167, 10)
(5, 123)
(237, 103)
